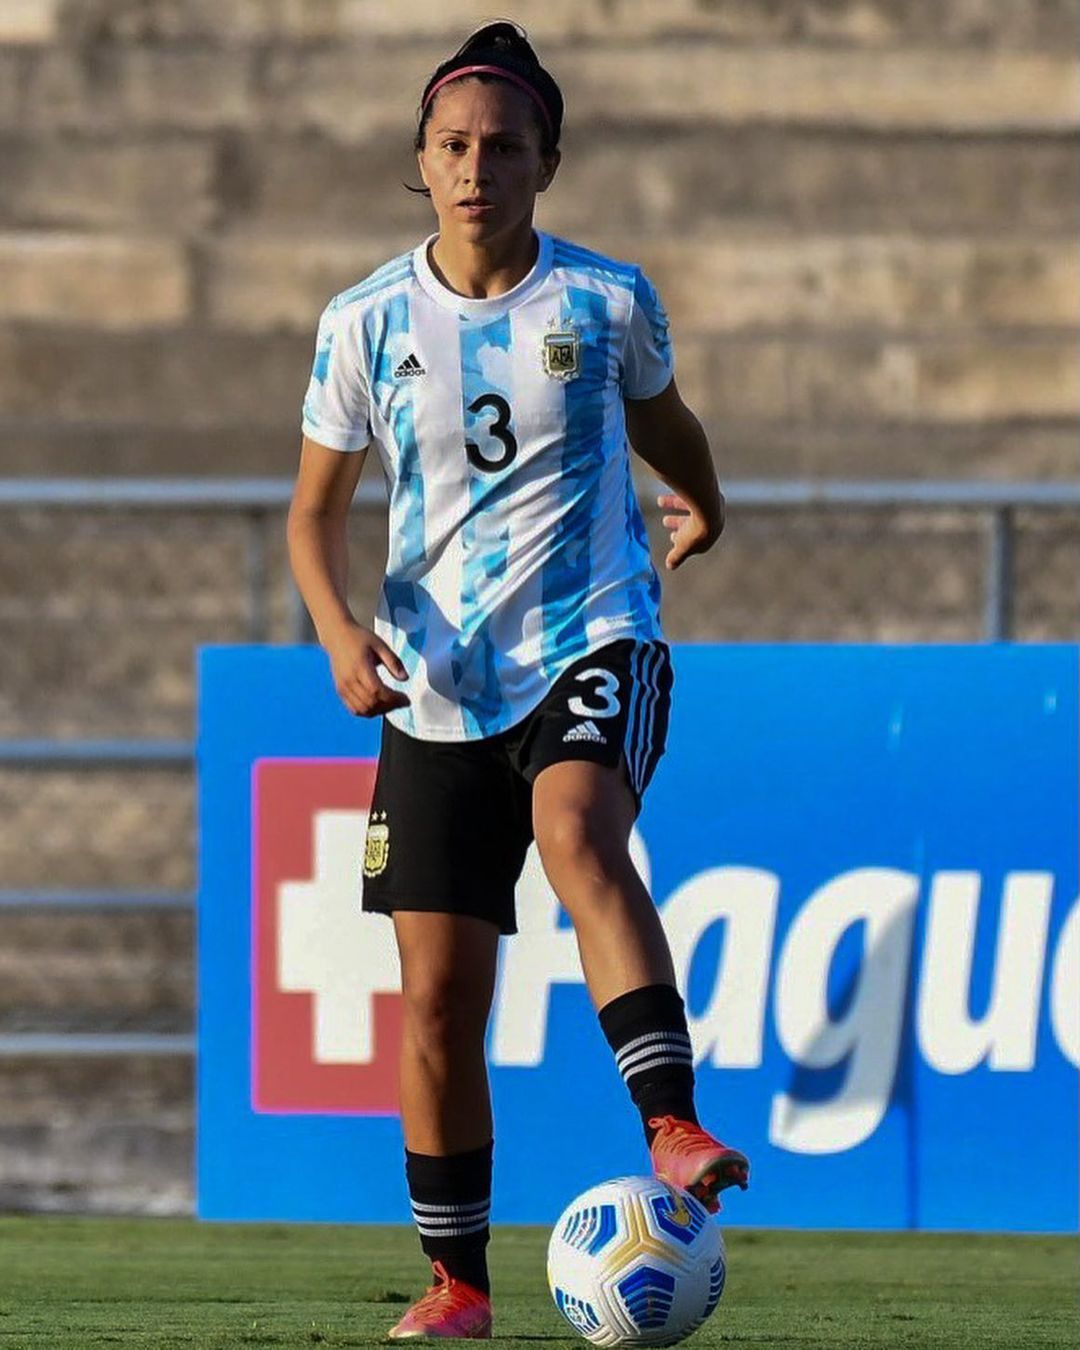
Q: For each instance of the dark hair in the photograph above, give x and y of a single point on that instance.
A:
(503, 45)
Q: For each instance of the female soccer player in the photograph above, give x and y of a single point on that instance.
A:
(517, 657)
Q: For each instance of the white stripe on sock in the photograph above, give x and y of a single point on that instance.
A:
(630, 1063)
(650, 1038)
(450, 1226)
(452, 1209)
(655, 1064)
(459, 1231)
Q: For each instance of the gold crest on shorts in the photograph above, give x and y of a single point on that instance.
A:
(562, 352)
(376, 845)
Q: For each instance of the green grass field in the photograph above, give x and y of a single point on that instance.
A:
(71, 1283)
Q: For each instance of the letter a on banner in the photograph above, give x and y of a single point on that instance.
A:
(884, 901)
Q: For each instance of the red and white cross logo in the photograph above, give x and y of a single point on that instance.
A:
(326, 1002)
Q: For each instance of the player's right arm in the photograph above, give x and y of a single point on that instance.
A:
(318, 553)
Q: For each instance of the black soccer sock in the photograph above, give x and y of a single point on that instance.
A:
(451, 1199)
(646, 1028)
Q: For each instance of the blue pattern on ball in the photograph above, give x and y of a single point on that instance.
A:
(590, 1230)
(647, 1295)
(577, 1312)
(717, 1275)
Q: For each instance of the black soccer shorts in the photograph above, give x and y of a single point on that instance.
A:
(451, 821)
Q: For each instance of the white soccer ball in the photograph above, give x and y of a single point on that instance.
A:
(636, 1262)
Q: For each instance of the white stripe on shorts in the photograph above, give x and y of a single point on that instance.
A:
(648, 717)
(631, 716)
(638, 721)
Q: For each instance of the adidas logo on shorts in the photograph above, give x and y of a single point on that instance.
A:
(585, 731)
(410, 366)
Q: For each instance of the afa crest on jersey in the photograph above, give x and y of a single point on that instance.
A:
(562, 353)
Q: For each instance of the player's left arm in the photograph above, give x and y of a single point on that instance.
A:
(671, 440)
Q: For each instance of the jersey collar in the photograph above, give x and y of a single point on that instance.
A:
(494, 308)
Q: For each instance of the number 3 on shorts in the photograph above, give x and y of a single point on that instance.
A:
(606, 690)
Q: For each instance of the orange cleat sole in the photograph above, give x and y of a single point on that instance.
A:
(730, 1169)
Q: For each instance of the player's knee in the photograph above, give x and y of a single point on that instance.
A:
(443, 1008)
(577, 838)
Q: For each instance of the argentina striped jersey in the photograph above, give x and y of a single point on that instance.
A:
(516, 542)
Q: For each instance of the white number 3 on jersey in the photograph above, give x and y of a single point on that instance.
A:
(606, 690)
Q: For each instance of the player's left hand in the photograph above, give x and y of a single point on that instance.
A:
(690, 532)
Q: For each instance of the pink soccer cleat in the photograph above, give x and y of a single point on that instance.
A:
(686, 1156)
(450, 1309)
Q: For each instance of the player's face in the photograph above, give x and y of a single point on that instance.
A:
(482, 159)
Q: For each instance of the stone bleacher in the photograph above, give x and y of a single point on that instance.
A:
(862, 215)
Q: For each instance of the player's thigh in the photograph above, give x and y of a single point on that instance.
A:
(582, 811)
(448, 965)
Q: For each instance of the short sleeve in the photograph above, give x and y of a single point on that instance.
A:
(336, 403)
(648, 365)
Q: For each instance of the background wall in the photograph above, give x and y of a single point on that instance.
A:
(861, 214)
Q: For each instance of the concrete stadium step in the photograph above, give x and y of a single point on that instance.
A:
(1023, 23)
(744, 449)
(162, 181)
(189, 378)
(78, 449)
(666, 180)
(205, 380)
(742, 280)
(97, 1134)
(90, 829)
(112, 282)
(105, 970)
(354, 91)
(655, 176)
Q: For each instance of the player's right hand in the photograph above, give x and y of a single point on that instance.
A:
(355, 658)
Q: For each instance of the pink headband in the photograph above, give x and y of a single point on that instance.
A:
(492, 70)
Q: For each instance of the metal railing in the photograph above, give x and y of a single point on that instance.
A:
(260, 500)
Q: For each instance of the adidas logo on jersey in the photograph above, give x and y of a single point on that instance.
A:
(410, 366)
(585, 731)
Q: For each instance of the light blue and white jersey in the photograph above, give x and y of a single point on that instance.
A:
(516, 542)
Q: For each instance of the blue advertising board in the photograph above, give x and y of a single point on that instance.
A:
(866, 861)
